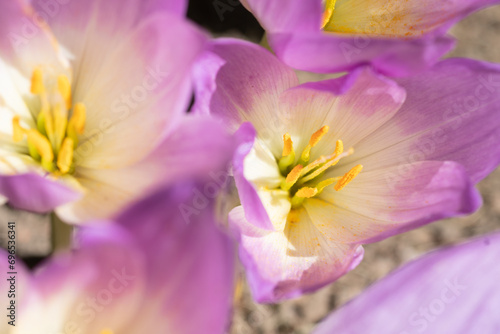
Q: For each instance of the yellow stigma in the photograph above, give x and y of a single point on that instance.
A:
(65, 157)
(37, 86)
(348, 177)
(304, 180)
(53, 141)
(64, 88)
(315, 138)
(328, 13)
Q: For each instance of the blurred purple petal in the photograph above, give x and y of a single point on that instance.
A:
(453, 290)
(33, 192)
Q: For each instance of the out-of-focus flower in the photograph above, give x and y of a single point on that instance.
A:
(92, 102)
(347, 161)
(453, 290)
(146, 272)
(397, 37)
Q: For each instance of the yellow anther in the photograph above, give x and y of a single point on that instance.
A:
(76, 124)
(348, 177)
(60, 123)
(43, 147)
(64, 88)
(306, 192)
(291, 178)
(339, 148)
(65, 156)
(287, 145)
(18, 131)
(327, 14)
(315, 138)
(37, 86)
(79, 117)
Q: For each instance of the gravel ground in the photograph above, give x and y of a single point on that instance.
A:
(478, 37)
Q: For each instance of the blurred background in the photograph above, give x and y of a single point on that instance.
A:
(478, 37)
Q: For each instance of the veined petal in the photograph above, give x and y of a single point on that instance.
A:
(248, 80)
(452, 290)
(353, 106)
(285, 264)
(34, 192)
(384, 202)
(134, 114)
(451, 113)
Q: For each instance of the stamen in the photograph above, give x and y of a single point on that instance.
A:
(76, 124)
(288, 154)
(325, 183)
(306, 192)
(315, 138)
(327, 165)
(64, 88)
(60, 123)
(43, 147)
(291, 178)
(65, 157)
(302, 194)
(327, 14)
(348, 177)
(18, 131)
(287, 145)
(37, 86)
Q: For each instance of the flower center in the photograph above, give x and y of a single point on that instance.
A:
(55, 137)
(302, 180)
(107, 331)
(328, 13)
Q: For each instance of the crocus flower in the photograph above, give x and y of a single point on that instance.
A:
(92, 102)
(148, 271)
(453, 290)
(397, 37)
(343, 162)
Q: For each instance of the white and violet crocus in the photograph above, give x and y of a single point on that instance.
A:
(334, 164)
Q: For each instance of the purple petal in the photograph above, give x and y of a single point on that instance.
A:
(33, 192)
(190, 262)
(326, 52)
(451, 113)
(287, 15)
(235, 64)
(381, 203)
(453, 290)
(254, 209)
